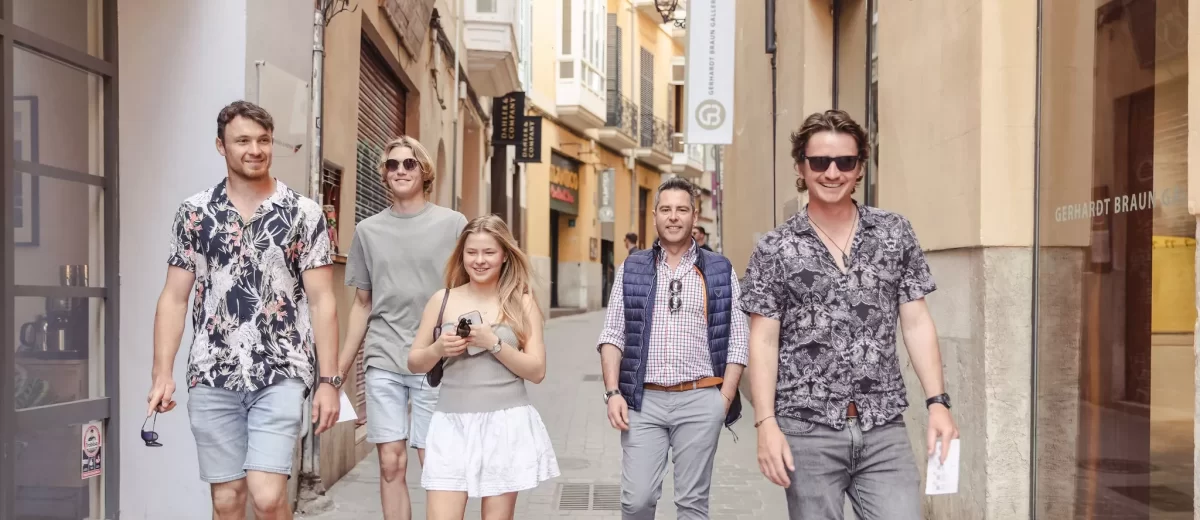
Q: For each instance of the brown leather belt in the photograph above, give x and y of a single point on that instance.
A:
(703, 382)
(851, 411)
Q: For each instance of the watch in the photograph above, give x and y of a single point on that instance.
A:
(942, 399)
(336, 381)
(609, 394)
(499, 345)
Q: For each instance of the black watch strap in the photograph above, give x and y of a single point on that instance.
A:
(942, 399)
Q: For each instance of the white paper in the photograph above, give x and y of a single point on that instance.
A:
(942, 479)
(347, 411)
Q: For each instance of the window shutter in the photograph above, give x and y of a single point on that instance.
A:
(647, 91)
(381, 113)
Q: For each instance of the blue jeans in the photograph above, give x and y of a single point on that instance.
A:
(238, 432)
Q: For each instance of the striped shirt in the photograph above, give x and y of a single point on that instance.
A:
(678, 344)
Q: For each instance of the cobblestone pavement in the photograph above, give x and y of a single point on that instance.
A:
(588, 449)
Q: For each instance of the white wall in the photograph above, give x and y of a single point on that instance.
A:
(180, 62)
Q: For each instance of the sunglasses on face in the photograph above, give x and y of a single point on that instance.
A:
(674, 302)
(409, 164)
(844, 163)
(150, 437)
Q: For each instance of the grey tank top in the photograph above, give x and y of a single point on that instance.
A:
(481, 383)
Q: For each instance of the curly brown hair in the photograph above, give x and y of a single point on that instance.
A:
(837, 121)
(244, 109)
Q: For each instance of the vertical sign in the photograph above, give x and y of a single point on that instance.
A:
(507, 112)
(529, 145)
(709, 88)
(607, 211)
(93, 441)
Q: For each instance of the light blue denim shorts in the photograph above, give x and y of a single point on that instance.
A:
(238, 432)
(388, 416)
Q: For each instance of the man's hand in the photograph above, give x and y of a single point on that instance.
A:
(618, 412)
(728, 400)
(159, 399)
(941, 426)
(774, 454)
(326, 407)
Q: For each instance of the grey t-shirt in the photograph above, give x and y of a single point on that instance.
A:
(401, 259)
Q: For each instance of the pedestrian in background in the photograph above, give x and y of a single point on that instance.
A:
(824, 292)
(482, 336)
(397, 259)
(701, 236)
(672, 351)
(631, 240)
(257, 257)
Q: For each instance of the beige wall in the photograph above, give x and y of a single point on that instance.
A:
(804, 68)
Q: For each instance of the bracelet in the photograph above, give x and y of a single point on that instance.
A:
(756, 425)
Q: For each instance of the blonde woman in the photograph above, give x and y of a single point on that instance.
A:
(485, 439)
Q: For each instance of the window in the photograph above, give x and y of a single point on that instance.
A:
(588, 20)
(485, 6)
(331, 199)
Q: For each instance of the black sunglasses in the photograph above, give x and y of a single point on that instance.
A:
(151, 437)
(409, 164)
(844, 163)
(674, 302)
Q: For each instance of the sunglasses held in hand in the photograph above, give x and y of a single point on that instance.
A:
(150, 437)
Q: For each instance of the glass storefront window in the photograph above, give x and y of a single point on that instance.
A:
(1116, 264)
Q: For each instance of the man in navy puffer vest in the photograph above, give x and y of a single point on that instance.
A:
(673, 349)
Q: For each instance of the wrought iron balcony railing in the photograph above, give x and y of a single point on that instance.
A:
(655, 133)
(622, 114)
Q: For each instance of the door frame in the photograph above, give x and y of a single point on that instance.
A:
(105, 409)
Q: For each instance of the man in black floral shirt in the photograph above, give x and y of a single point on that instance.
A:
(256, 255)
(824, 292)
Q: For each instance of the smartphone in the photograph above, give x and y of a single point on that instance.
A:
(469, 319)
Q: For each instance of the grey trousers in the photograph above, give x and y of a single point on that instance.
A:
(876, 468)
(689, 423)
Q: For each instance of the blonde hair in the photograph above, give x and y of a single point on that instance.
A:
(515, 273)
(419, 153)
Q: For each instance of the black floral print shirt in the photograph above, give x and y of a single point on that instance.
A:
(250, 315)
(837, 337)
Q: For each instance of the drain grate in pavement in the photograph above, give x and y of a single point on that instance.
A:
(574, 497)
(606, 497)
(591, 377)
(577, 496)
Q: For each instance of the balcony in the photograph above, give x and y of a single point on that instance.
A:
(688, 160)
(647, 8)
(654, 144)
(490, 38)
(580, 98)
(620, 127)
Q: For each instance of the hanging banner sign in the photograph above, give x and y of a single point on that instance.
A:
(529, 147)
(607, 211)
(709, 90)
(507, 112)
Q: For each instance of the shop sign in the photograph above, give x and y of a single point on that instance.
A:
(564, 190)
(709, 89)
(607, 211)
(507, 112)
(529, 149)
(1127, 203)
(93, 443)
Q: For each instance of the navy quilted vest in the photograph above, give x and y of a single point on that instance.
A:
(639, 286)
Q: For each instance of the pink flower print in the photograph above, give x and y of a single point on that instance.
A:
(193, 223)
(235, 230)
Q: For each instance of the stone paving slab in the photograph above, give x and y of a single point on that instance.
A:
(570, 402)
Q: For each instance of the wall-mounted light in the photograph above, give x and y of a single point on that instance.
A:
(666, 9)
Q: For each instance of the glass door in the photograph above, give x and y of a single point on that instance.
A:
(58, 213)
(1115, 268)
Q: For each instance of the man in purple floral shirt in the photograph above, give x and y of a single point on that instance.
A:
(257, 257)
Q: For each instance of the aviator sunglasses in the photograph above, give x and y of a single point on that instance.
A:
(844, 163)
(409, 164)
(674, 302)
(150, 437)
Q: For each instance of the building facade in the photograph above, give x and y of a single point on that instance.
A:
(1047, 175)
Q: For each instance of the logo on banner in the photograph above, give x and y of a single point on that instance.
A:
(710, 114)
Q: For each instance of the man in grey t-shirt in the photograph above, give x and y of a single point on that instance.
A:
(398, 259)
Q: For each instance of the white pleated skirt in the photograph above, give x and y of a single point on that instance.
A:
(488, 454)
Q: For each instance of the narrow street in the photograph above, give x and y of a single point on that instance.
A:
(588, 449)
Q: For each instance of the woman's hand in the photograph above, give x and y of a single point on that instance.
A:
(450, 345)
(482, 336)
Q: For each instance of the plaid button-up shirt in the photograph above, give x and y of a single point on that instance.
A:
(678, 344)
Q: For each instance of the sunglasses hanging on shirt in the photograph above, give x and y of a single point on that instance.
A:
(675, 301)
